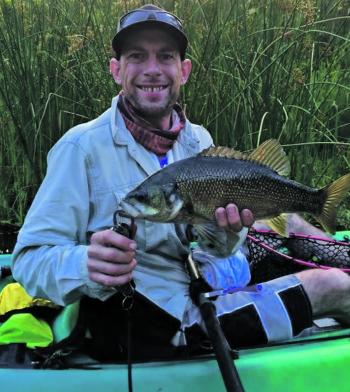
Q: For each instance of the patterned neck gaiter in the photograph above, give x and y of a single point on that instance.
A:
(153, 139)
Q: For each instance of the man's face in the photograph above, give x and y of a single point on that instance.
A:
(151, 72)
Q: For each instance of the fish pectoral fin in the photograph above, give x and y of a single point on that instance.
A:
(218, 241)
(279, 224)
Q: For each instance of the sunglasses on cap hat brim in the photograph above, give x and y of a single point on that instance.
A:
(142, 17)
(137, 16)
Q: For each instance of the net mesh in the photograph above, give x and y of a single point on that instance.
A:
(272, 256)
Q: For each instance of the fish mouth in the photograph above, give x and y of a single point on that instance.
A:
(137, 211)
(130, 209)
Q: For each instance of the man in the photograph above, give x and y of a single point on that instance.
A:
(66, 250)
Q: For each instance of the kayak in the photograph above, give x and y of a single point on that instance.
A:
(316, 362)
(320, 365)
(311, 364)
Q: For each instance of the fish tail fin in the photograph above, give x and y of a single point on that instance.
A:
(333, 194)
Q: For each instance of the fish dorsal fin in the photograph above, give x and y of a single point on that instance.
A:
(223, 152)
(271, 154)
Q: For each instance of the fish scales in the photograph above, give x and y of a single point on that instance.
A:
(207, 183)
(190, 190)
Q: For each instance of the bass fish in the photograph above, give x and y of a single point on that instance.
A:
(190, 190)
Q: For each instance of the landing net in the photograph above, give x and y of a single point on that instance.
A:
(271, 255)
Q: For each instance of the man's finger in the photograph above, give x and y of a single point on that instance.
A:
(113, 269)
(221, 217)
(247, 218)
(233, 217)
(111, 238)
(109, 253)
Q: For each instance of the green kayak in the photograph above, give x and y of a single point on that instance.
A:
(318, 362)
(312, 364)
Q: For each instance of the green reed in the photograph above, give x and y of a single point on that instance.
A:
(261, 69)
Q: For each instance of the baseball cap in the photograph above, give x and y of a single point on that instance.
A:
(150, 15)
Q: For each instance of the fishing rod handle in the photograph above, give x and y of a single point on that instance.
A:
(126, 230)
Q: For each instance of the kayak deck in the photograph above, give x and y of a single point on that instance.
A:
(310, 364)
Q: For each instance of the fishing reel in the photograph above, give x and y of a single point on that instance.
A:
(124, 224)
(121, 226)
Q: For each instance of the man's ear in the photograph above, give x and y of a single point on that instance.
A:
(114, 69)
(186, 67)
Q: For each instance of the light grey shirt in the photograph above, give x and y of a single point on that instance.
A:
(89, 171)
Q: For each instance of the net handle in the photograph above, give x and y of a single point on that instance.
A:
(302, 236)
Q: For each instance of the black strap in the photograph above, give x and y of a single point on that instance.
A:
(129, 348)
(46, 313)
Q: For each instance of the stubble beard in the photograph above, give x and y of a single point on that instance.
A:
(154, 111)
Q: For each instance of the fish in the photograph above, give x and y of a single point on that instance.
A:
(190, 190)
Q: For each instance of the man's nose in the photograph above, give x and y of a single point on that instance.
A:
(152, 66)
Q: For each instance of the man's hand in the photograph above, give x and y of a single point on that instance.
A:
(111, 258)
(232, 218)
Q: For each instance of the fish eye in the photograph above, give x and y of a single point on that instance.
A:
(141, 197)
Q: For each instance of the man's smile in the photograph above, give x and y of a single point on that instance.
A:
(152, 89)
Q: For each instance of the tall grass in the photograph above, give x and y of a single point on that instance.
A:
(272, 68)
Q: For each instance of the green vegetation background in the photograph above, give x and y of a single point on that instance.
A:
(262, 69)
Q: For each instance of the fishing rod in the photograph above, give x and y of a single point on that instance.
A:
(223, 353)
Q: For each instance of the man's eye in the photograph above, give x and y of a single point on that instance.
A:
(167, 56)
(135, 56)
